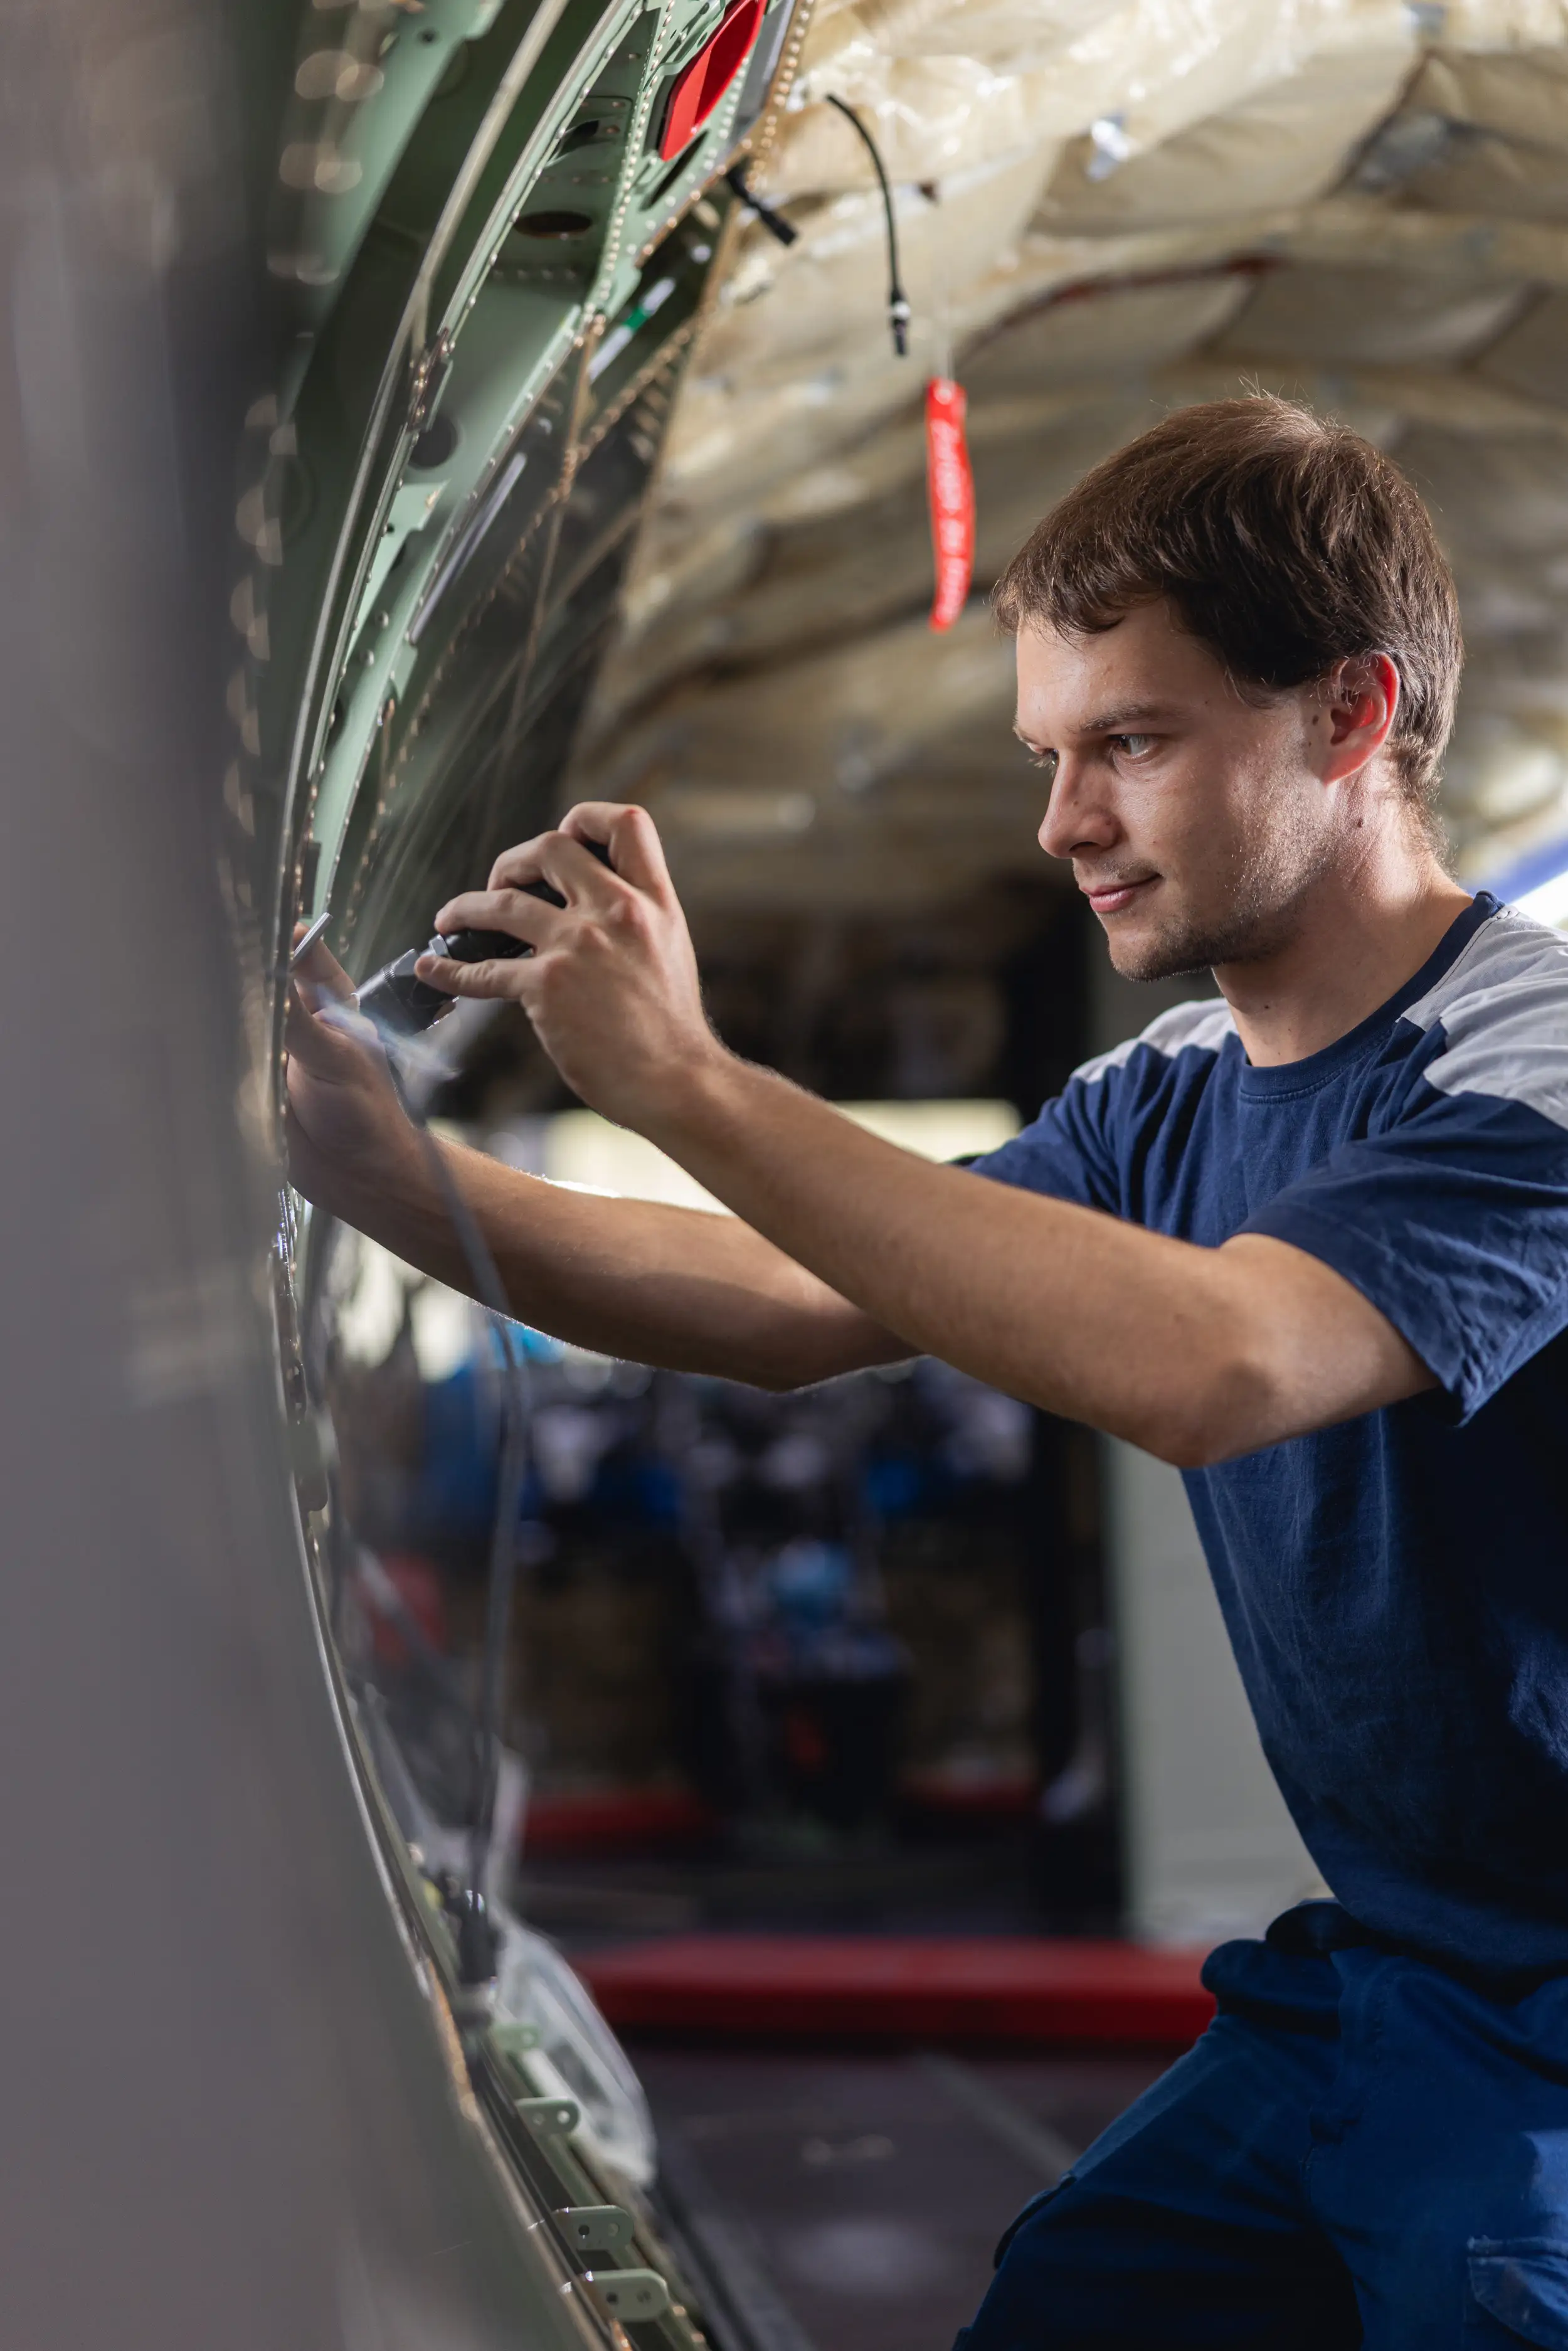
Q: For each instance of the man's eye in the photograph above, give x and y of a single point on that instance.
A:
(1136, 747)
(1047, 762)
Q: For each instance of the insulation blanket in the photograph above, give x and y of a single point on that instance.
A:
(1104, 210)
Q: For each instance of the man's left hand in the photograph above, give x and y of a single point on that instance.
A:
(612, 987)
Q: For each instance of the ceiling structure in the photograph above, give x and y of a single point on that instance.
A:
(1107, 207)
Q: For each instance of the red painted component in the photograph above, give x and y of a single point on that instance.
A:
(1003, 1987)
(702, 83)
(951, 486)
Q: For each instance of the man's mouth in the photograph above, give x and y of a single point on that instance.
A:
(1112, 897)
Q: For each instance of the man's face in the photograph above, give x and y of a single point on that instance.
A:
(1196, 822)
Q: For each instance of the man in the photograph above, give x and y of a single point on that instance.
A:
(1310, 1242)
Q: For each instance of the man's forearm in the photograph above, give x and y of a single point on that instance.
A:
(679, 1288)
(1191, 1352)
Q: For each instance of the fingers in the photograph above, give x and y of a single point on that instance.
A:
(629, 833)
(529, 861)
(510, 910)
(631, 837)
(314, 1042)
(553, 857)
(497, 978)
(327, 1041)
(321, 968)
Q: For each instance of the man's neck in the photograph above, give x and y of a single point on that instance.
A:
(1362, 935)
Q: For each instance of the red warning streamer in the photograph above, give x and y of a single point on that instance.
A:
(951, 485)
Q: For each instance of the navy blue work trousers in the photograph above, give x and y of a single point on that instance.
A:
(1361, 2150)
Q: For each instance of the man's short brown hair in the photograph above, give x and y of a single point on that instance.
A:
(1283, 543)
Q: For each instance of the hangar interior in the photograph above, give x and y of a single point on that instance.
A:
(575, 480)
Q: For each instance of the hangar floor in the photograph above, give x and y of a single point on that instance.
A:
(851, 2203)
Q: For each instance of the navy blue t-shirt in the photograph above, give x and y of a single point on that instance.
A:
(1395, 1588)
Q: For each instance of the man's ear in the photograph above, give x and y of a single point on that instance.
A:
(1360, 703)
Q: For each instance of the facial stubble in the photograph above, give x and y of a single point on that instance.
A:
(1256, 912)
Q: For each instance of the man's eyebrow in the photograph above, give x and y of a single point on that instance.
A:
(1113, 722)
(1127, 714)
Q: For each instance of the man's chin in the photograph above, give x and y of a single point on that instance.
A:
(1156, 954)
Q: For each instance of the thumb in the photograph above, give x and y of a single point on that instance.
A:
(483, 979)
(321, 971)
(329, 1040)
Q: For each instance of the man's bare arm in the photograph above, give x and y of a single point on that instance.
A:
(680, 1288)
(1195, 1353)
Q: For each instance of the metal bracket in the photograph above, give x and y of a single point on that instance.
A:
(549, 2118)
(628, 2295)
(512, 2039)
(595, 2228)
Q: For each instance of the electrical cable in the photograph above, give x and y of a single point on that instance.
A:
(783, 232)
(898, 301)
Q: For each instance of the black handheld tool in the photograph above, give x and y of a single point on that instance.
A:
(402, 1004)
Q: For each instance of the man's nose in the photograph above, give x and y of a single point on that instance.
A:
(1075, 818)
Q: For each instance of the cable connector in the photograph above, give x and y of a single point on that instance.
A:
(773, 221)
(898, 300)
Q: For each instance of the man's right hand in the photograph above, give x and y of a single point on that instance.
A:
(631, 1277)
(345, 1130)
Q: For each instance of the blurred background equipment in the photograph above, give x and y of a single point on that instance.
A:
(1104, 210)
(761, 1619)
